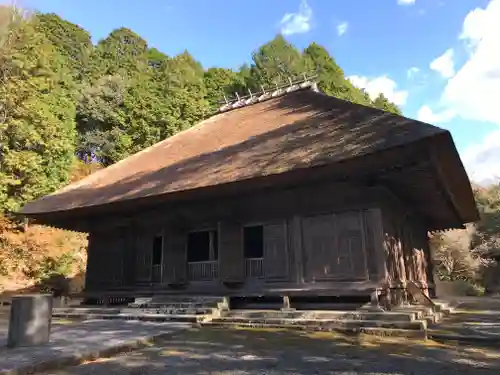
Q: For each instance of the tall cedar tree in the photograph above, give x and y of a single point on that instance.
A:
(37, 113)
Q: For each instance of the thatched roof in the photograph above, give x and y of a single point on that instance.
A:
(302, 129)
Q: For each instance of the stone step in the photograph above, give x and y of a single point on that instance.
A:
(444, 308)
(335, 306)
(375, 331)
(447, 303)
(179, 305)
(85, 310)
(110, 311)
(142, 317)
(320, 314)
(327, 323)
(186, 298)
(177, 311)
(176, 302)
(435, 317)
(419, 311)
(423, 312)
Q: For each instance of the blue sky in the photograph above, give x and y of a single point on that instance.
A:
(438, 59)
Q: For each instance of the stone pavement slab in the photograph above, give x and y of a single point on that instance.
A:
(475, 319)
(73, 342)
(469, 325)
(283, 352)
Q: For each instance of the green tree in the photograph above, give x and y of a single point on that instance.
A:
(122, 52)
(71, 41)
(101, 121)
(37, 129)
(382, 102)
(331, 78)
(221, 82)
(182, 89)
(276, 61)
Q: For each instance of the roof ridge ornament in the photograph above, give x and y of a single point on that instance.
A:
(278, 90)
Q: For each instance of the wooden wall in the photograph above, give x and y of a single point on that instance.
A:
(301, 225)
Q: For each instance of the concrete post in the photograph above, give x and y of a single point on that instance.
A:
(374, 304)
(30, 320)
(286, 304)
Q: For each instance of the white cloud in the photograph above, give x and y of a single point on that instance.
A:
(444, 64)
(473, 92)
(473, 27)
(380, 85)
(475, 89)
(299, 22)
(426, 114)
(342, 28)
(412, 72)
(406, 2)
(482, 160)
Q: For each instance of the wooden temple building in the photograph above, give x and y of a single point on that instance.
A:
(287, 193)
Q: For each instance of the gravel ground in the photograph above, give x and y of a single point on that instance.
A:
(219, 351)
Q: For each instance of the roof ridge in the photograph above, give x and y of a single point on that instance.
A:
(245, 101)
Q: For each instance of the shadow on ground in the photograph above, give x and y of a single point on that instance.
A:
(221, 351)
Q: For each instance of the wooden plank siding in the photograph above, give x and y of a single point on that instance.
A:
(231, 258)
(144, 256)
(346, 240)
(175, 256)
(276, 259)
(335, 246)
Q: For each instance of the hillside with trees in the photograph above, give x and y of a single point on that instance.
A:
(68, 107)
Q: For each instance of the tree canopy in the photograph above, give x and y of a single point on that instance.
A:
(64, 97)
(37, 113)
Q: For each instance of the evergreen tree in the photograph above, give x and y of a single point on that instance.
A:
(382, 102)
(37, 129)
(276, 61)
(221, 82)
(331, 78)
